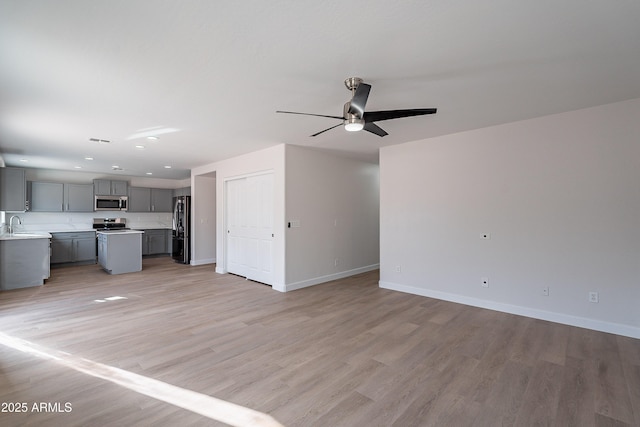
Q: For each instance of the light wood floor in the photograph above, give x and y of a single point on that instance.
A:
(345, 353)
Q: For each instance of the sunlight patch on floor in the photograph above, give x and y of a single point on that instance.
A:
(208, 406)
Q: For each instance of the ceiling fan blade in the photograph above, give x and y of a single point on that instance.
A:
(376, 116)
(322, 131)
(310, 114)
(373, 128)
(359, 99)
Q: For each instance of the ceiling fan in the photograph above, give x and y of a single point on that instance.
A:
(355, 118)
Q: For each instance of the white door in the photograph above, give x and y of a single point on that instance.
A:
(250, 227)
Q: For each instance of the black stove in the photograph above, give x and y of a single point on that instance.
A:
(110, 224)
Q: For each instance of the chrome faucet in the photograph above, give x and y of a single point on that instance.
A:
(11, 223)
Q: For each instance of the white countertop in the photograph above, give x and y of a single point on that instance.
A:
(119, 231)
(24, 236)
(149, 225)
(71, 228)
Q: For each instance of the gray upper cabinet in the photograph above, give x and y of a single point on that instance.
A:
(13, 190)
(139, 199)
(78, 197)
(102, 187)
(58, 197)
(186, 191)
(46, 196)
(143, 199)
(119, 188)
(161, 200)
(107, 187)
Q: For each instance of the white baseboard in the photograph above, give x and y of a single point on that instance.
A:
(329, 277)
(203, 261)
(566, 319)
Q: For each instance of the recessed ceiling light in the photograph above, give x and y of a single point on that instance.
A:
(153, 138)
(24, 160)
(88, 158)
(167, 167)
(152, 133)
(149, 173)
(140, 147)
(78, 167)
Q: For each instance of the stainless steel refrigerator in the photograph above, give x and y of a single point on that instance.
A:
(181, 244)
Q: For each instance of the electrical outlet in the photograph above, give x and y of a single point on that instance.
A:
(484, 282)
(593, 297)
(398, 269)
(545, 291)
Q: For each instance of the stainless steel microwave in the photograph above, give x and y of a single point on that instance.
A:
(111, 203)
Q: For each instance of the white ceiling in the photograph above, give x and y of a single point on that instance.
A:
(207, 76)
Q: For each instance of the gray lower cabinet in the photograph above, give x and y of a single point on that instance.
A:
(155, 242)
(13, 190)
(78, 247)
(23, 263)
(120, 252)
(103, 250)
(58, 197)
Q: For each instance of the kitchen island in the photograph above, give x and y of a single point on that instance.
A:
(120, 251)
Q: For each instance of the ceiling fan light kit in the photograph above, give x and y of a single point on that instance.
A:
(355, 118)
(353, 124)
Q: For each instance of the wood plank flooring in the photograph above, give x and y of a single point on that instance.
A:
(344, 353)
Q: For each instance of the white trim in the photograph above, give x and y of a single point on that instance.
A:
(279, 287)
(329, 277)
(581, 322)
(249, 175)
(203, 261)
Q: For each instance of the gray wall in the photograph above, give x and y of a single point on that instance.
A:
(335, 202)
(560, 197)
